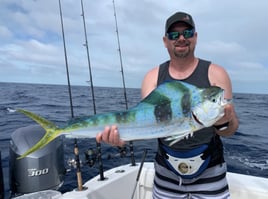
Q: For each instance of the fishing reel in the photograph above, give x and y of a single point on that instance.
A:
(90, 157)
(72, 163)
(122, 153)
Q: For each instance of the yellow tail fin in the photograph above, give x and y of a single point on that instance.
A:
(52, 131)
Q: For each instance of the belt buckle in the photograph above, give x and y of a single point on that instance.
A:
(186, 166)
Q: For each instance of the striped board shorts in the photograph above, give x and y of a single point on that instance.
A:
(212, 183)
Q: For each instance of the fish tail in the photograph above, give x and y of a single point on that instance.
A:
(52, 131)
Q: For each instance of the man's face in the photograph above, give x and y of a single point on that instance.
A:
(180, 40)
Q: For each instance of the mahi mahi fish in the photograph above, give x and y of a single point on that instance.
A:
(173, 110)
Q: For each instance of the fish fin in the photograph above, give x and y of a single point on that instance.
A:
(175, 141)
(177, 138)
(40, 120)
(52, 131)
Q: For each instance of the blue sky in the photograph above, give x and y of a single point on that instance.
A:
(230, 33)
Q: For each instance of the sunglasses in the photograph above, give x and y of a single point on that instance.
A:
(188, 33)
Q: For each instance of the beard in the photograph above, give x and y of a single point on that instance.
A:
(182, 54)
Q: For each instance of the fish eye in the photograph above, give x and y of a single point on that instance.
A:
(214, 100)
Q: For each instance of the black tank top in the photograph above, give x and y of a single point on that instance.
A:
(199, 78)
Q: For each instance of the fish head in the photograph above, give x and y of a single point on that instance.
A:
(210, 107)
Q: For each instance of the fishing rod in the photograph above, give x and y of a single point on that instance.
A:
(123, 80)
(139, 173)
(88, 59)
(66, 62)
(76, 152)
(92, 92)
(120, 56)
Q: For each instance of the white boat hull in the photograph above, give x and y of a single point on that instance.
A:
(120, 183)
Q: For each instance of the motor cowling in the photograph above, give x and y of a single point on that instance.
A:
(41, 170)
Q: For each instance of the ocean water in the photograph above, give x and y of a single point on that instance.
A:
(246, 152)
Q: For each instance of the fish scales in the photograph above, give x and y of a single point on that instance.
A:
(174, 110)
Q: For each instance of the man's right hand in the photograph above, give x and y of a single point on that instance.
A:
(110, 135)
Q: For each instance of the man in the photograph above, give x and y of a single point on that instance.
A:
(209, 180)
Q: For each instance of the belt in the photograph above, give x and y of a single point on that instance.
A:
(188, 164)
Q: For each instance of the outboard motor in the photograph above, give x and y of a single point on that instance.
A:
(41, 170)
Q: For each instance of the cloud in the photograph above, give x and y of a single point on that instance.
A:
(32, 46)
(251, 72)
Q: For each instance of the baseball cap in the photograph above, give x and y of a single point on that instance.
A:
(179, 17)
